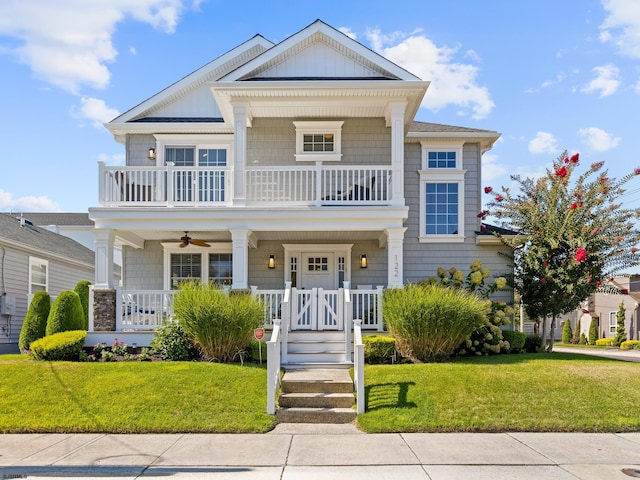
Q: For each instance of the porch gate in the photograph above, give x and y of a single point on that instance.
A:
(317, 309)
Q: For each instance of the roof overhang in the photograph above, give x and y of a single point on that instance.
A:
(121, 130)
(486, 138)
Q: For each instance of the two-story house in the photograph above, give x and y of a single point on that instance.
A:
(293, 164)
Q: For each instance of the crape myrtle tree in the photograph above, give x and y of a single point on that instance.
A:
(571, 235)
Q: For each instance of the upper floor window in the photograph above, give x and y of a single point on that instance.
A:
(441, 156)
(441, 159)
(38, 275)
(318, 141)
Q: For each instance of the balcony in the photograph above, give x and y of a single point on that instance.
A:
(317, 185)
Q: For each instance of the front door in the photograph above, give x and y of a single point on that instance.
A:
(318, 271)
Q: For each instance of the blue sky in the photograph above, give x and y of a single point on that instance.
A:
(547, 74)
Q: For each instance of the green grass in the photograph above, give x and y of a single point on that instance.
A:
(131, 397)
(536, 392)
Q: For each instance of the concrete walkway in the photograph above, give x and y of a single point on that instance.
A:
(323, 452)
(614, 353)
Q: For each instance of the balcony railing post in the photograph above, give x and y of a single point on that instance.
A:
(318, 182)
(170, 191)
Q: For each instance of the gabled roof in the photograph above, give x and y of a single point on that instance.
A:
(42, 241)
(418, 131)
(57, 218)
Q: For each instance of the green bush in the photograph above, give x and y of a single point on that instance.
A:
(583, 339)
(255, 349)
(172, 342)
(430, 321)
(567, 333)
(35, 321)
(379, 349)
(516, 340)
(82, 289)
(604, 342)
(630, 344)
(593, 332)
(220, 325)
(65, 314)
(66, 345)
(533, 343)
(576, 333)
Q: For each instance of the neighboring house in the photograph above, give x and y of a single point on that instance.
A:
(297, 163)
(32, 259)
(77, 226)
(604, 306)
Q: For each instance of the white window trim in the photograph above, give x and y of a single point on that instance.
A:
(613, 316)
(319, 127)
(195, 141)
(297, 250)
(33, 261)
(174, 247)
(444, 147)
(441, 175)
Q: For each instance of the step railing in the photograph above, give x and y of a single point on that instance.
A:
(273, 367)
(358, 366)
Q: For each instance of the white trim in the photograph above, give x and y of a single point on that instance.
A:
(35, 261)
(297, 249)
(319, 128)
(196, 141)
(441, 175)
(445, 147)
(174, 247)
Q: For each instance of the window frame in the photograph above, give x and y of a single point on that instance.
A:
(35, 261)
(428, 148)
(174, 247)
(319, 128)
(613, 317)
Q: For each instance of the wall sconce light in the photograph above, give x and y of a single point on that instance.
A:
(363, 260)
(152, 153)
(272, 261)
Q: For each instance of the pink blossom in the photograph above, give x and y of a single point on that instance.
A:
(561, 172)
(574, 158)
(573, 206)
(488, 189)
(499, 198)
(581, 255)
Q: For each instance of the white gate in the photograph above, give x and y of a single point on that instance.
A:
(317, 309)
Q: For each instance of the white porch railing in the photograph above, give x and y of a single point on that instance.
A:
(273, 367)
(143, 310)
(358, 366)
(367, 306)
(318, 185)
(272, 301)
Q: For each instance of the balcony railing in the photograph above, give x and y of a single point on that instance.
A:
(211, 186)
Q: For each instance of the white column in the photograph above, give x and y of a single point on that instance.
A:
(396, 111)
(395, 256)
(239, 153)
(104, 240)
(240, 259)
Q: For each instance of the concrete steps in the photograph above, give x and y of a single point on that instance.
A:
(316, 347)
(316, 396)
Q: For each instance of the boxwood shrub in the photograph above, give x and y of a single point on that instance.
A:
(172, 342)
(66, 313)
(379, 349)
(604, 342)
(533, 343)
(35, 321)
(630, 345)
(60, 346)
(82, 289)
(516, 340)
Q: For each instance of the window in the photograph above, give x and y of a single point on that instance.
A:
(441, 194)
(220, 268)
(210, 183)
(318, 141)
(613, 322)
(180, 156)
(442, 209)
(318, 264)
(38, 275)
(185, 266)
(213, 264)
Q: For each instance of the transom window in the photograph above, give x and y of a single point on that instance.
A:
(38, 275)
(442, 209)
(441, 159)
(318, 264)
(318, 141)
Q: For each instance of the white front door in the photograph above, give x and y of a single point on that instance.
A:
(318, 270)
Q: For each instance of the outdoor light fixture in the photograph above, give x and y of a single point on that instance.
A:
(272, 261)
(363, 260)
(152, 153)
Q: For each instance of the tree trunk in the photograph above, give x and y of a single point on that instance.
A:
(543, 334)
(552, 334)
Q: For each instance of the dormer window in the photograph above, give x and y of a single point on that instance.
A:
(318, 141)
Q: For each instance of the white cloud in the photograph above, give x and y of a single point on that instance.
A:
(597, 139)
(452, 83)
(544, 143)
(606, 82)
(27, 204)
(348, 32)
(95, 110)
(491, 169)
(68, 43)
(117, 159)
(622, 26)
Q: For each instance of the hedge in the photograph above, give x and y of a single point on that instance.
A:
(59, 346)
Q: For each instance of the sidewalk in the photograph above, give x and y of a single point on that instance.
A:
(323, 452)
(617, 354)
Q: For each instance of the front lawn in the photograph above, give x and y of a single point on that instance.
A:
(535, 392)
(131, 397)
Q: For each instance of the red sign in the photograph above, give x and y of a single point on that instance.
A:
(258, 333)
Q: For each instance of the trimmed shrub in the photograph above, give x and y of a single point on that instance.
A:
(604, 342)
(583, 339)
(82, 289)
(65, 314)
(35, 321)
(621, 333)
(567, 333)
(516, 340)
(430, 321)
(379, 349)
(172, 342)
(576, 333)
(533, 343)
(630, 344)
(60, 346)
(220, 325)
(593, 332)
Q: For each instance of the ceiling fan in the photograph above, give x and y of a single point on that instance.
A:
(187, 240)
